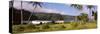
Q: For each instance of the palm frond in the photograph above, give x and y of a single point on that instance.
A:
(90, 6)
(77, 6)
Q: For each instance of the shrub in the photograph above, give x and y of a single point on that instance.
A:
(53, 22)
(40, 22)
(74, 24)
(45, 26)
(18, 29)
(21, 28)
(31, 26)
(63, 26)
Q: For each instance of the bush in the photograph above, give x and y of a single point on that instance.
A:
(74, 24)
(31, 26)
(40, 22)
(63, 26)
(45, 26)
(53, 21)
(18, 29)
(21, 28)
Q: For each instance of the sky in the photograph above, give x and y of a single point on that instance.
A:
(64, 9)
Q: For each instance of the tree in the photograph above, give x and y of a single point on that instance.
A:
(83, 17)
(90, 11)
(35, 4)
(94, 14)
(79, 7)
(21, 12)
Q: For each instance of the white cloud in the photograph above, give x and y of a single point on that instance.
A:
(45, 10)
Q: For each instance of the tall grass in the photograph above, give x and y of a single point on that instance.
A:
(54, 27)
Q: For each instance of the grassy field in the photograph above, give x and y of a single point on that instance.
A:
(54, 27)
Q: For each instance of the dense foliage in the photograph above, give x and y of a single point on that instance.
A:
(83, 17)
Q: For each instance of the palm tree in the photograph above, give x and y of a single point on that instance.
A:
(35, 5)
(21, 12)
(83, 17)
(90, 11)
(79, 7)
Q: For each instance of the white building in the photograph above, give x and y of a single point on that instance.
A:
(59, 21)
(40, 21)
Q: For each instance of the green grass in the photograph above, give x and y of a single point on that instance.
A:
(54, 27)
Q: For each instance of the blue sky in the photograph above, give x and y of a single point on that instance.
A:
(66, 8)
(60, 8)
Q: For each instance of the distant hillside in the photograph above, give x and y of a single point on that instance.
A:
(36, 16)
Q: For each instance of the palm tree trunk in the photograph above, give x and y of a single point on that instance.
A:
(90, 15)
(76, 18)
(21, 13)
(31, 15)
